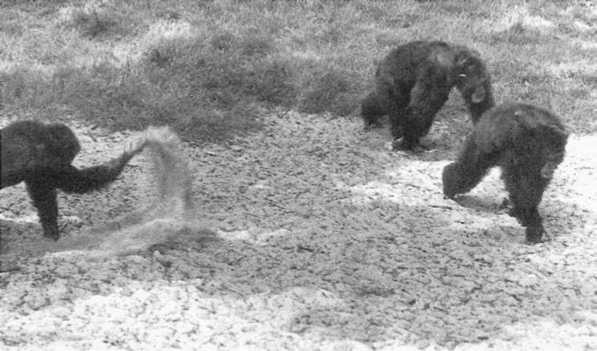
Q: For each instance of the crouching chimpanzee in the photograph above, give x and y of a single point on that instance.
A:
(528, 143)
(41, 155)
(414, 81)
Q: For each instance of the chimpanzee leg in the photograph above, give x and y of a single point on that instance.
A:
(526, 190)
(395, 101)
(425, 100)
(44, 199)
(534, 226)
(530, 219)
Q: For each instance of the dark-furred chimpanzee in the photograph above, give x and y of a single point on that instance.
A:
(41, 155)
(528, 143)
(414, 81)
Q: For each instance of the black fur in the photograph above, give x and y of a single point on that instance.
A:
(414, 81)
(528, 143)
(41, 156)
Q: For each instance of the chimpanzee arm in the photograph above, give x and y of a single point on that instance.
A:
(468, 170)
(43, 195)
(73, 180)
(391, 99)
(427, 96)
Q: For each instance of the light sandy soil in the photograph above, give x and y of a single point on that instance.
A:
(324, 240)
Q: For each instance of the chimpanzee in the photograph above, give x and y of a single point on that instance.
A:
(528, 143)
(414, 81)
(41, 155)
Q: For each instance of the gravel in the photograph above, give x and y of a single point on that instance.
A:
(309, 235)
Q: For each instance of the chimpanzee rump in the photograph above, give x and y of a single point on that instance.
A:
(414, 81)
(41, 156)
(528, 143)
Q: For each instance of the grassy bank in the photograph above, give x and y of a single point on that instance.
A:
(211, 68)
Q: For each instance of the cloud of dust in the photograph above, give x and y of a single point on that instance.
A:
(169, 215)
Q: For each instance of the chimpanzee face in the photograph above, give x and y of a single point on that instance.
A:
(549, 168)
(555, 150)
(473, 80)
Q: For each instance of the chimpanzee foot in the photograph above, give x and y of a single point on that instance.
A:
(402, 145)
(534, 234)
(51, 232)
(372, 125)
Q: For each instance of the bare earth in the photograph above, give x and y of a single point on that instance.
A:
(315, 237)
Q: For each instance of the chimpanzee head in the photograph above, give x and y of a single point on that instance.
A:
(555, 138)
(473, 82)
(62, 141)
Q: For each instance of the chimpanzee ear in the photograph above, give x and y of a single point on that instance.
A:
(478, 95)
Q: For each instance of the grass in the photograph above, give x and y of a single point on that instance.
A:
(211, 69)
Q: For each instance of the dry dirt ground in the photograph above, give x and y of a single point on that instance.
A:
(316, 237)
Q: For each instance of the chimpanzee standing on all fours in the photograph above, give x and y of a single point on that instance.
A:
(414, 81)
(41, 155)
(527, 143)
